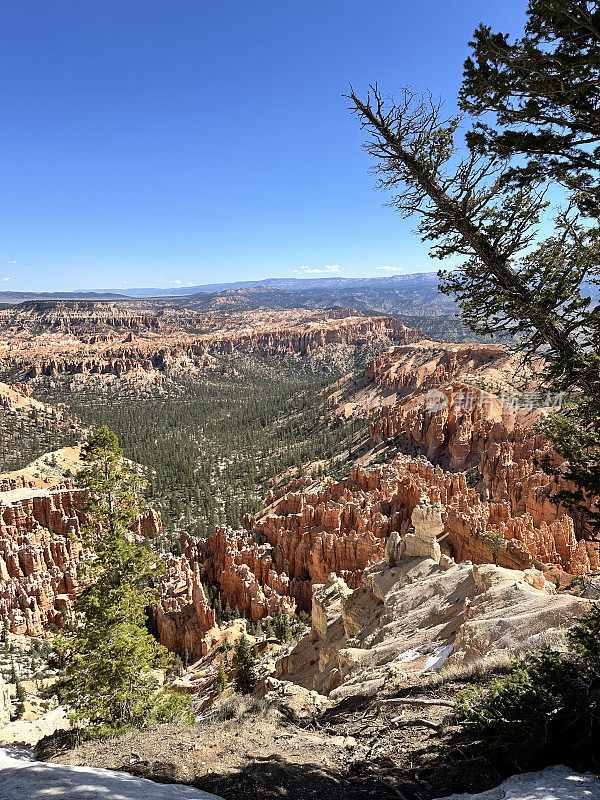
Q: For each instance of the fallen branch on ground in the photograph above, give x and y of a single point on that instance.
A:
(414, 701)
(400, 722)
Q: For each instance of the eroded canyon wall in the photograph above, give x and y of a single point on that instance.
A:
(468, 452)
(40, 549)
(80, 345)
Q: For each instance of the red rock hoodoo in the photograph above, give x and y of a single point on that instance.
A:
(40, 548)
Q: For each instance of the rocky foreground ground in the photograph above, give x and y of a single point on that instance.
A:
(23, 776)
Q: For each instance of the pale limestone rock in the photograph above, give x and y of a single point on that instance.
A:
(296, 701)
(446, 562)
(393, 548)
(535, 577)
(326, 604)
(418, 617)
(428, 525)
(25, 733)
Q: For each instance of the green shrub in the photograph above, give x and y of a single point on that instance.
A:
(547, 708)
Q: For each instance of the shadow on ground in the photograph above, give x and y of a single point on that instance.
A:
(274, 778)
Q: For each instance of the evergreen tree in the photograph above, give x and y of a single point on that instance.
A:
(542, 91)
(221, 681)
(495, 543)
(281, 626)
(546, 708)
(177, 666)
(536, 127)
(245, 676)
(108, 682)
(483, 204)
(218, 608)
(20, 696)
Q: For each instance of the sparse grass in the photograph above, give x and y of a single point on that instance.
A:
(496, 663)
(241, 705)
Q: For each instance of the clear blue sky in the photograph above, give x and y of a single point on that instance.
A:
(167, 142)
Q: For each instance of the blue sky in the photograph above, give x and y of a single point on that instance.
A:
(149, 143)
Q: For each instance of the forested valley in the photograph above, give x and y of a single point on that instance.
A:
(213, 444)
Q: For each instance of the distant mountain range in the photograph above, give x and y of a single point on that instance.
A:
(407, 294)
(422, 279)
(414, 299)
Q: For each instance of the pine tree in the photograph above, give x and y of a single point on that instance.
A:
(245, 677)
(108, 683)
(495, 543)
(534, 96)
(535, 127)
(177, 668)
(281, 626)
(20, 695)
(221, 681)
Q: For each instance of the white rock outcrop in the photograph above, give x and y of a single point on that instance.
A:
(27, 733)
(421, 616)
(554, 783)
(428, 525)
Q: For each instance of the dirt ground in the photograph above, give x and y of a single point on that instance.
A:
(351, 752)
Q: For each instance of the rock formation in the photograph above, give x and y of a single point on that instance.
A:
(40, 548)
(473, 407)
(18, 396)
(183, 614)
(422, 542)
(315, 529)
(468, 465)
(418, 617)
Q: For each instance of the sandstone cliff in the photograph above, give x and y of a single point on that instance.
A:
(18, 396)
(183, 614)
(342, 527)
(474, 407)
(311, 530)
